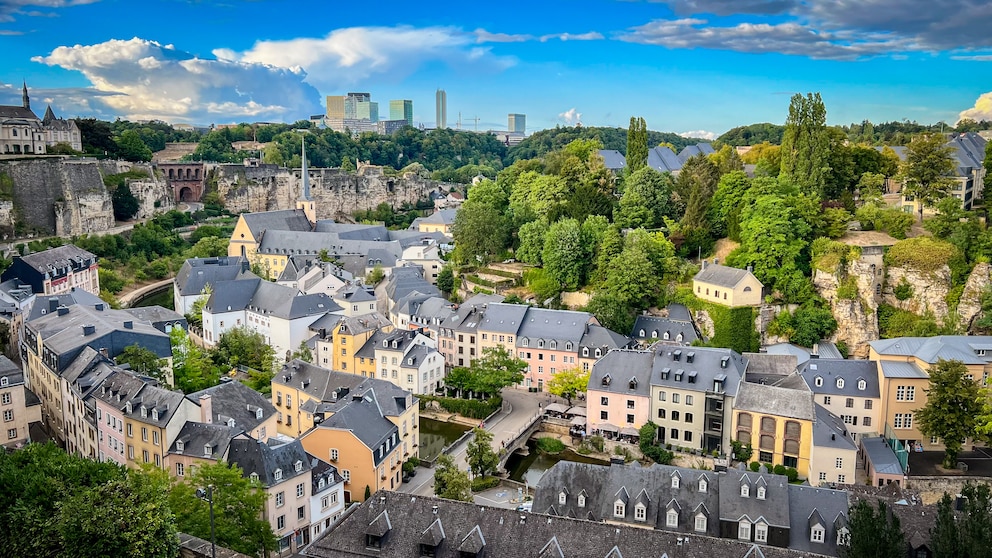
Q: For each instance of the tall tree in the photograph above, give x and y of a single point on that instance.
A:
(945, 539)
(637, 144)
(805, 143)
(496, 369)
(481, 231)
(479, 454)
(531, 237)
(954, 403)
(975, 527)
(449, 481)
(125, 204)
(874, 533)
(144, 361)
(131, 148)
(568, 383)
(927, 172)
(564, 256)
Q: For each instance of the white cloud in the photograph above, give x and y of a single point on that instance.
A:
(483, 36)
(701, 134)
(590, 36)
(982, 109)
(353, 55)
(571, 116)
(11, 8)
(182, 86)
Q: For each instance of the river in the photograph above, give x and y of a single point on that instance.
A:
(530, 468)
(156, 298)
(435, 434)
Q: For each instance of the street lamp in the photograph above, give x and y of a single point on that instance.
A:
(208, 495)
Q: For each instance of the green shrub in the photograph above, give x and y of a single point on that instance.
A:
(829, 255)
(921, 253)
(779, 470)
(903, 290)
(754, 466)
(597, 442)
(471, 408)
(894, 222)
(484, 483)
(848, 288)
(792, 473)
(550, 445)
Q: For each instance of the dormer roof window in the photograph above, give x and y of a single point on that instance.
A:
(818, 381)
(180, 445)
(632, 384)
(665, 372)
(127, 406)
(585, 351)
(599, 352)
(144, 412)
(745, 490)
(607, 379)
(230, 422)
(277, 475)
(677, 355)
(689, 356)
(724, 361)
(298, 466)
(258, 413)
(208, 450)
(840, 383)
(862, 385)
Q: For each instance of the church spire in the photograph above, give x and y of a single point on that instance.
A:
(25, 100)
(305, 202)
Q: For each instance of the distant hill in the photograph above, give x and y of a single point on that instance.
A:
(551, 139)
(753, 134)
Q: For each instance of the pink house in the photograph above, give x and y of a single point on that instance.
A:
(548, 340)
(111, 433)
(619, 393)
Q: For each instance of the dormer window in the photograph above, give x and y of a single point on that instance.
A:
(144, 412)
(843, 537)
(724, 361)
(672, 518)
(689, 357)
(180, 445)
(667, 336)
(4, 381)
(253, 477)
(840, 383)
(230, 422)
(665, 373)
(675, 481)
(678, 339)
(607, 379)
(562, 498)
(640, 512)
(277, 475)
(677, 355)
(619, 509)
(568, 346)
(862, 385)
(321, 483)
(816, 534)
(540, 343)
(208, 450)
(258, 413)
(385, 343)
(745, 490)
(703, 485)
(761, 493)
(599, 353)
(582, 500)
(524, 342)
(127, 407)
(700, 522)
(155, 414)
(818, 381)
(298, 466)
(641, 333)
(553, 344)
(585, 351)
(632, 384)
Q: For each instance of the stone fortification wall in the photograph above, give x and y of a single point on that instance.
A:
(336, 192)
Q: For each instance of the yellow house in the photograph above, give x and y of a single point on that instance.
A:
(153, 417)
(339, 340)
(777, 422)
(903, 378)
(440, 221)
(248, 232)
(727, 286)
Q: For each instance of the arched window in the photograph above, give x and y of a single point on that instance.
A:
(840, 383)
(585, 351)
(641, 333)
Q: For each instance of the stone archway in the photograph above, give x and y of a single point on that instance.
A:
(186, 194)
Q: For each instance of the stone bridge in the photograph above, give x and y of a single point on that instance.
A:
(519, 440)
(186, 180)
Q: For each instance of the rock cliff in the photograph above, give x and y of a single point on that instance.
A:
(970, 306)
(336, 192)
(929, 291)
(857, 318)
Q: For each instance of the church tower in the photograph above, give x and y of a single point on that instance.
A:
(25, 101)
(306, 202)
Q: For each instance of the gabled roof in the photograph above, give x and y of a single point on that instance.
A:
(197, 273)
(264, 459)
(329, 387)
(852, 372)
(773, 509)
(775, 400)
(547, 324)
(968, 349)
(60, 256)
(597, 336)
(441, 217)
(709, 364)
(195, 436)
(365, 420)
(693, 150)
(655, 328)
(663, 159)
(823, 504)
(722, 276)
(234, 400)
(829, 431)
(613, 159)
(282, 220)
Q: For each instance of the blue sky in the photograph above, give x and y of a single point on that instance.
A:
(699, 66)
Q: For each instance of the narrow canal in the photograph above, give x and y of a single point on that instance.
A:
(530, 468)
(435, 434)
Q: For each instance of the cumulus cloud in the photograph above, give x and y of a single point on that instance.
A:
(143, 79)
(9, 9)
(840, 29)
(981, 111)
(571, 116)
(700, 134)
(352, 55)
(590, 36)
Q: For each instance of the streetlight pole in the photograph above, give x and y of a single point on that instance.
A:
(208, 495)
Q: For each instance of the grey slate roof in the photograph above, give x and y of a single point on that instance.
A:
(774, 509)
(613, 159)
(882, 458)
(234, 400)
(61, 256)
(354, 293)
(320, 469)
(197, 273)
(560, 325)
(693, 150)
(365, 420)
(851, 371)
(405, 280)
(655, 328)
(141, 395)
(267, 298)
(471, 313)
(195, 436)
(158, 316)
(801, 353)
(708, 363)
(432, 311)
(264, 459)
(335, 389)
(721, 275)
(441, 217)
(830, 506)
(282, 220)
(780, 401)
(353, 231)
(829, 431)
(231, 296)
(497, 532)
(663, 159)
(966, 348)
(599, 337)
(10, 371)
(896, 369)
(623, 372)
(47, 304)
(499, 317)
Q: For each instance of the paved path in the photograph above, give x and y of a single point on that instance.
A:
(127, 298)
(520, 411)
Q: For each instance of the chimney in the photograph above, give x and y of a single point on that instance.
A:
(98, 307)
(63, 310)
(816, 350)
(704, 263)
(750, 269)
(53, 303)
(716, 261)
(104, 352)
(89, 329)
(206, 410)
(128, 324)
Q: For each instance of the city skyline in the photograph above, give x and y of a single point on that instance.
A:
(697, 67)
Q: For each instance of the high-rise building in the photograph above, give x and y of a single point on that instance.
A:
(401, 110)
(516, 123)
(335, 106)
(353, 106)
(441, 101)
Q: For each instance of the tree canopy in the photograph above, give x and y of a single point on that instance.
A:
(953, 405)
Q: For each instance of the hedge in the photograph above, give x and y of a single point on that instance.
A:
(484, 483)
(471, 408)
(921, 253)
(550, 445)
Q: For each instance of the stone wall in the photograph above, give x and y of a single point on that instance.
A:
(336, 192)
(931, 489)
(970, 306)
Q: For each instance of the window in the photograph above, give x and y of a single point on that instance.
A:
(866, 421)
(630, 403)
(604, 415)
(8, 415)
(6, 399)
(672, 518)
(582, 500)
(277, 475)
(144, 434)
(155, 437)
(842, 479)
(745, 490)
(760, 493)
(687, 436)
(640, 512)
(688, 400)
(661, 413)
(840, 383)
(299, 490)
(674, 434)
(562, 497)
(744, 530)
(280, 499)
(703, 485)
(905, 393)
(619, 509)
(862, 385)
(867, 403)
(826, 399)
(903, 420)
(301, 512)
(630, 419)
(281, 522)
(843, 537)
(11, 433)
(760, 533)
(334, 455)
(849, 403)
(688, 417)
(816, 534)
(823, 477)
(346, 475)
(675, 398)
(675, 481)
(661, 396)
(700, 523)
(604, 400)
(818, 381)
(675, 415)
(324, 503)
(144, 456)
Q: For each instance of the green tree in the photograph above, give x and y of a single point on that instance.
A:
(303, 353)
(727, 160)
(637, 144)
(376, 275)
(874, 533)
(975, 526)
(240, 346)
(496, 369)
(479, 454)
(238, 506)
(481, 231)
(143, 361)
(446, 280)
(131, 148)
(953, 406)
(191, 367)
(612, 312)
(805, 143)
(209, 247)
(568, 383)
(927, 172)
(125, 204)
(195, 316)
(631, 278)
(945, 541)
(565, 259)
(741, 452)
(449, 481)
(531, 237)
(648, 444)
(647, 199)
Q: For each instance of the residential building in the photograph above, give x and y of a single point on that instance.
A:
(16, 300)
(19, 406)
(401, 110)
(548, 340)
(398, 525)
(595, 342)
(326, 496)
(777, 421)
(425, 256)
(967, 150)
(200, 443)
(56, 270)
(619, 392)
(362, 442)
(356, 299)
(402, 282)
(339, 339)
(283, 469)
(498, 324)
(676, 329)
(458, 333)
(419, 311)
(441, 109)
(85, 431)
(60, 130)
(56, 334)
(153, 417)
(238, 406)
(310, 275)
(516, 123)
(727, 286)
(251, 227)
(903, 378)
(407, 358)
(305, 395)
(614, 160)
(748, 507)
(848, 389)
(881, 464)
(440, 221)
(197, 277)
(834, 455)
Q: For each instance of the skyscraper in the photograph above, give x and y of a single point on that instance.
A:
(441, 99)
(335, 106)
(516, 123)
(401, 110)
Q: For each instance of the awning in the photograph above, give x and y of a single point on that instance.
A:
(576, 411)
(627, 431)
(578, 421)
(607, 427)
(556, 408)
